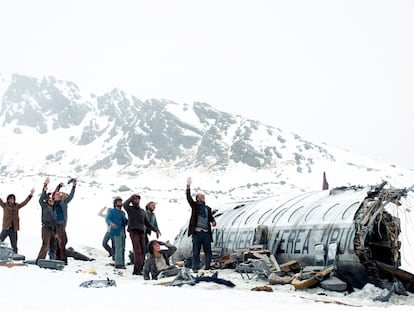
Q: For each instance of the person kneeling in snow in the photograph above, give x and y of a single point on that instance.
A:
(158, 260)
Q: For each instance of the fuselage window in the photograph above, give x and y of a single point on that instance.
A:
(295, 214)
(351, 209)
(330, 210)
(312, 212)
(236, 218)
(259, 221)
(250, 216)
(279, 215)
(272, 212)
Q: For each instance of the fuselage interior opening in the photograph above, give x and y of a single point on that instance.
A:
(382, 240)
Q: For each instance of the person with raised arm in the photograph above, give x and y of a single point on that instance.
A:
(199, 228)
(11, 218)
(48, 221)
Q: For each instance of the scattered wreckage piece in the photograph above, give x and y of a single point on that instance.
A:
(225, 262)
(277, 279)
(290, 266)
(301, 281)
(256, 266)
(48, 263)
(7, 254)
(51, 264)
(323, 273)
(263, 288)
(257, 263)
(10, 259)
(253, 268)
(405, 277)
(11, 264)
(333, 284)
(184, 277)
(70, 252)
(98, 283)
(396, 288)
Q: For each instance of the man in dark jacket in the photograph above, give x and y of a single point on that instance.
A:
(137, 224)
(199, 228)
(11, 219)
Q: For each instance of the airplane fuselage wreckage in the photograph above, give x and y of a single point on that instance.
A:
(358, 221)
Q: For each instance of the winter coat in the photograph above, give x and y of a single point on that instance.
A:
(64, 205)
(194, 215)
(117, 217)
(137, 217)
(150, 265)
(48, 213)
(11, 213)
(153, 220)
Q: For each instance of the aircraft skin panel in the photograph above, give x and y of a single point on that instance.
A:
(298, 243)
(282, 214)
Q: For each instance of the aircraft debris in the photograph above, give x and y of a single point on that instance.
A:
(351, 233)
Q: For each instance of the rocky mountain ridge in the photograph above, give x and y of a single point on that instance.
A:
(119, 135)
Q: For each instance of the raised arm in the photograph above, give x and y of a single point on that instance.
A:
(101, 212)
(190, 199)
(29, 197)
(43, 195)
(72, 192)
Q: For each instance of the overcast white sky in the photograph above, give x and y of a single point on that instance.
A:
(339, 72)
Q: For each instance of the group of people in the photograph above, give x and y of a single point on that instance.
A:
(129, 217)
(148, 257)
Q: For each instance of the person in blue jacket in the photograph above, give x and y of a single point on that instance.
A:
(117, 221)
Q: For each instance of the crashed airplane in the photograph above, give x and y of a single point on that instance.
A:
(357, 220)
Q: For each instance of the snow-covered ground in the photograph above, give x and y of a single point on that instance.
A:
(33, 288)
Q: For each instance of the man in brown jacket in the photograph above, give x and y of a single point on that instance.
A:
(11, 220)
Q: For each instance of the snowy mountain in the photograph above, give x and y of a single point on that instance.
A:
(50, 126)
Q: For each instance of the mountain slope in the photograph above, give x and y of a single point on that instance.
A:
(49, 126)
